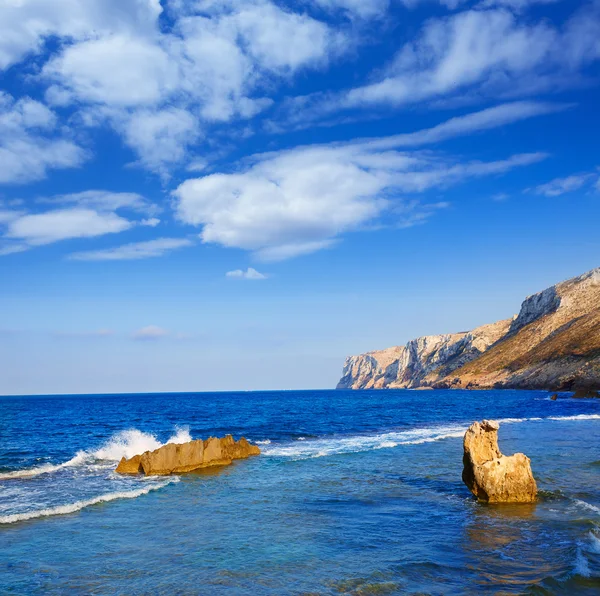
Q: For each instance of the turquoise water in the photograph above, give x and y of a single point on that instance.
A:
(355, 493)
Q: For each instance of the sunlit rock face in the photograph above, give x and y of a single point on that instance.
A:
(181, 458)
(491, 476)
(553, 343)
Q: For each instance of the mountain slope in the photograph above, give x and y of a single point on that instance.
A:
(554, 343)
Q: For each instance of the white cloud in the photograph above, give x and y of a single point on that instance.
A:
(134, 250)
(150, 333)
(26, 24)
(469, 57)
(63, 224)
(160, 137)
(30, 145)
(490, 118)
(459, 51)
(250, 273)
(299, 201)
(160, 88)
(104, 200)
(117, 70)
(561, 186)
(86, 214)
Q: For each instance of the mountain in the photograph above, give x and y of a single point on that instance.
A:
(553, 343)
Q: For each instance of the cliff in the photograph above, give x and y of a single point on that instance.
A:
(553, 343)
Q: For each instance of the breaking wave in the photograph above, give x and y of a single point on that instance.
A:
(79, 505)
(126, 443)
(354, 444)
(322, 447)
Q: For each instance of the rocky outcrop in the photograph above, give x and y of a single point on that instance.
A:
(181, 458)
(491, 476)
(422, 361)
(553, 343)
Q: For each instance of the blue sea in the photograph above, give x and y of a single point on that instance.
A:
(355, 493)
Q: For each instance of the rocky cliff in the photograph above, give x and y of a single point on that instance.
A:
(553, 343)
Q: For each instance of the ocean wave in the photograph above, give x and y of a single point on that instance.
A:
(359, 443)
(79, 505)
(322, 447)
(576, 417)
(582, 567)
(587, 506)
(126, 443)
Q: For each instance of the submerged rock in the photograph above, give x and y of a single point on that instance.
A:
(586, 394)
(186, 457)
(491, 476)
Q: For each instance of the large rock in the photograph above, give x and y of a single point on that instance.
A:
(186, 457)
(491, 476)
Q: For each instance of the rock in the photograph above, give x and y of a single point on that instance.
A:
(130, 466)
(554, 397)
(491, 476)
(586, 394)
(186, 457)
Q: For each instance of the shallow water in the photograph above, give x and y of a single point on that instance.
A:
(356, 493)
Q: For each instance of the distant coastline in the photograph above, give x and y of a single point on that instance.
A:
(553, 344)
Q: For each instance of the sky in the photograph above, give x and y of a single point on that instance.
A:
(202, 195)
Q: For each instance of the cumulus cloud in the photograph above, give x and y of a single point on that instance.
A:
(30, 143)
(298, 201)
(561, 186)
(134, 250)
(250, 273)
(160, 87)
(150, 333)
(25, 25)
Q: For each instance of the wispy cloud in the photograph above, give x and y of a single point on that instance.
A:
(87, 214)
(250, 273)
(99, 333)
(150, 333)
(134, 250)
(561, 186)
(31, 142)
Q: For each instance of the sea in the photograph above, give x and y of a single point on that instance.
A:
(356, 492)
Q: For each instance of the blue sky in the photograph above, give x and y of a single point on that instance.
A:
(214, 195)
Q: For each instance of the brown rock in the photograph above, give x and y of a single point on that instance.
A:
(186, 457)
(554, 397)
(491, 476)
(586, 394)
(130, 466)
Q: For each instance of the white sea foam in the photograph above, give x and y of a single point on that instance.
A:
(79, 459)
(577, 417)
(265, 442)
(79, 505)
(126, 443)
(355, 444)
(594, 542)
(587, 506)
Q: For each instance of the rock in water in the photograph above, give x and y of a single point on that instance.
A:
(491, 476)
(185, 457)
